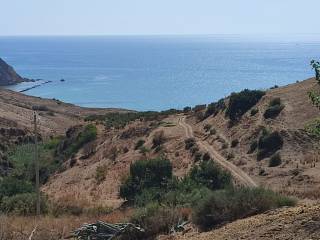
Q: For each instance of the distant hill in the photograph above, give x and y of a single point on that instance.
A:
(8, 75)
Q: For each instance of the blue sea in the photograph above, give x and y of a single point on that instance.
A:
(156, 72)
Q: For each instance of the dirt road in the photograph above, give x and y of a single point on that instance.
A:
(236, 172)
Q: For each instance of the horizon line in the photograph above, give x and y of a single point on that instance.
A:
(161, 34)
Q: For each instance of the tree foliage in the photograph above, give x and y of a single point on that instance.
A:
(240, 103)
(314, 95)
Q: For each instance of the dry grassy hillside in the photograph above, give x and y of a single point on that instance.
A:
(115, 150)
(55, 117)
(91, 177)
(301, 222)
(298, 172)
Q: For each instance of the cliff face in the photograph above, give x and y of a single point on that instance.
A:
(8, 75)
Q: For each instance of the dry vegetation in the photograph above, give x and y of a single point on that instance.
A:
(90, 176)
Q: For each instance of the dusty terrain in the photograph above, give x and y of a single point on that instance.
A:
(297, 175)
(299, 172)
(114, 151)
(16, 111)
(299, 223)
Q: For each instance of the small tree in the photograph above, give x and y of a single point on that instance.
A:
(313, 95)
(158, 139)
(210, 175)
(146, 174)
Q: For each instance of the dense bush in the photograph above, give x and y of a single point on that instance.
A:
(101, 172)
(156, 219)
(234, 143)
(268, 144)
(189, 143)
(275, 101)
(120, 120)
(40, 108)
(206, 157)
(22, 159)
(22, 204)
(197, 156)
(313, 127)
(139, 144)
(207, 127)
(76, 139)
(10, 186)
(228, 205)
(213, 131)
(158, 139)
(210, 175)
(186, 109)
(214, 108)
(253, 146)
(254, 111)
(146, 174)
(275, 160)
(275, 107)
(240, 103)
(199, 108)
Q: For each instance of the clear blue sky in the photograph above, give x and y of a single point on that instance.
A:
(108, 17)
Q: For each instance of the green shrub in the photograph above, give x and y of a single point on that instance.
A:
(234, 143)
(253, 147)
(185, 193)
(210, 175)
(275, 107)
(10, 186)
(186, 109)
(22, 159)
(189, 143)
(22, 204)
(120, 120)
(273, 112)
(214, 108)
(275, 160)
(268, 144)
(156, 219)
(224, 145)
(213, 131)
(207, 127)
(143, 150)
(206, 157)
(228, 205)
(72, 144)
(275, 101)
(40, 108)
(194, 150)
(101, 172)
(197, 156)
(313, 127)
(139, 144)
(199, 108)
(254, 111)
(240, 103)
(158, 139)
(146, 174)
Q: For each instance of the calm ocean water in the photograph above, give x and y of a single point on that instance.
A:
(156, 73)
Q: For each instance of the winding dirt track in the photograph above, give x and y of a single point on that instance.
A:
(236, 172)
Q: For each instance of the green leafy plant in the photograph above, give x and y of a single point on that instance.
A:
(146, 174)
(139, 144)
(240, 103)
(228, 205)
(275, 160)
(268, 144)
(274, 109)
